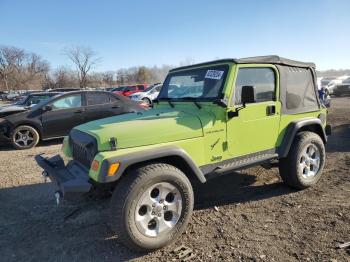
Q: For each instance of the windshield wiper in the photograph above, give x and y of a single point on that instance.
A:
(192, 99)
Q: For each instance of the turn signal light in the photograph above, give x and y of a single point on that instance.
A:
(113, 168)
(95, 165)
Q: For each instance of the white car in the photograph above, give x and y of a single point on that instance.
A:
(12, 95)
(147, 96)
(332, 84)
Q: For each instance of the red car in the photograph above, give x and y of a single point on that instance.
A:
(129, 90)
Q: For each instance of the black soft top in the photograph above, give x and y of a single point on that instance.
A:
(269, 59)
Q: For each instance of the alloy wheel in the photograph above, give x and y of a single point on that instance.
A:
(310, 161)
(23, 137)
(158, 209)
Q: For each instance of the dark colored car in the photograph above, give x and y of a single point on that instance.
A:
(25, 103)
(64, 89)
(56, 117)
(343, 88)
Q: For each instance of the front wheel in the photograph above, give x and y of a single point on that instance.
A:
(303, 166)
(151, 206)
(24, 137)
(147, 101)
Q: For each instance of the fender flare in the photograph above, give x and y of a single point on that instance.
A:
(292, 130)
(148, 155)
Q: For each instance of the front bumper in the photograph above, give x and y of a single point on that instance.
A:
(70, 181)
(4, 133)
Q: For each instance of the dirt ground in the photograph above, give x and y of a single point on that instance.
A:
(246, 216)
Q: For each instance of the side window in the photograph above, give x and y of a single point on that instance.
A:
(96, 98)
(142, 88)
(71, 101)
(114, 99)
(262, 79)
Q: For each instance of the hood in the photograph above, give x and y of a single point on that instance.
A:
(139, 93)
(140, 129)
(11, 109)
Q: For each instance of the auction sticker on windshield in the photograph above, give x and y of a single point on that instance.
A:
(214, 74)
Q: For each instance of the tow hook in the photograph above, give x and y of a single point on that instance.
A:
(58, 196)
(45, 176)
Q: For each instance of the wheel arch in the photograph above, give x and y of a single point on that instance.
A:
(311, 124)
(37, 127)
(170, 155)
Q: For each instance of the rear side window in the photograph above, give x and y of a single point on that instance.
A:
(300, 89)
(262, 79)
(71, 101)
(96, 99)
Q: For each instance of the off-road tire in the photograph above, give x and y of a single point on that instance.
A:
(130, 189)
(34, 136)
(289, 167)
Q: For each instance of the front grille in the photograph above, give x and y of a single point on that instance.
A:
(84, 147)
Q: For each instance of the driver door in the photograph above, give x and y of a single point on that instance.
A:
(66, 112)
(256, 127)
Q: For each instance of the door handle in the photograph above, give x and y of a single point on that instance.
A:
(79, 111)
(270, 110)
(115, 107)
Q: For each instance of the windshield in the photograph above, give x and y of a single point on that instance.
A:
(44, 102)
(22, 101)
(201, 84)
(130, 88)
(346, 81)
(121, 88)
(33, 100)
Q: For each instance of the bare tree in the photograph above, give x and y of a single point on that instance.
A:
(84, 58)
(64, 77)
(11, 59)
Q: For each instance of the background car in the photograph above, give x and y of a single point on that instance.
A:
(68, 89)
(147, 96)
(25, 103)
(129, 90)
(333, 83)
(343, 88)
(54, 118)
(12, 95)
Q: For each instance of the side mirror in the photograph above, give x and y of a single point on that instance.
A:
(47, 108)
(248, 95)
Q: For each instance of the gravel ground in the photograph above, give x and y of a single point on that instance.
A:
(247, 216)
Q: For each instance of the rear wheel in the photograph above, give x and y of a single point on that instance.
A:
(151, 207)
(303, 166)
(25, 137)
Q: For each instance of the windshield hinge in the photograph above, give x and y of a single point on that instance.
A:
(113, 143)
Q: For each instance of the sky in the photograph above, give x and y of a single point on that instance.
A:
(156, 32)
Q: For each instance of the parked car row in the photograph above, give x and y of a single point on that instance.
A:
(52, 115)
(129, 90)
(342, 88)
(335, 85)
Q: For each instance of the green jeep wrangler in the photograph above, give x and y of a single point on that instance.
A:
(209, 119)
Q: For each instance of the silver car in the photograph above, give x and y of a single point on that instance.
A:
(147, 96)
